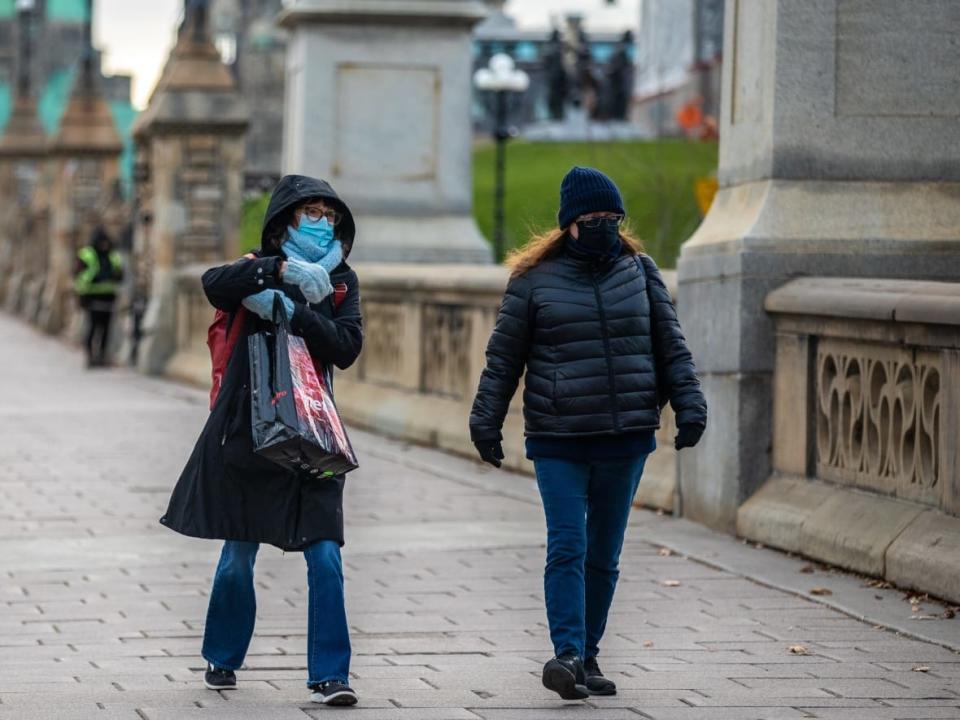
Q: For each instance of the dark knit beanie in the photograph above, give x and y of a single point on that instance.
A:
(586, 190)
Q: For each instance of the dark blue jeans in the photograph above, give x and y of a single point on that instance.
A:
(587, 506)
(233, 611)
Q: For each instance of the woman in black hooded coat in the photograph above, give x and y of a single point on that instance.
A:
(228, 492)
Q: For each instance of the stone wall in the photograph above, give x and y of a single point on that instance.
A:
(865, 429)
(425, 333)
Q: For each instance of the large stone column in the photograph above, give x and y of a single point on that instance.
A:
(23, 148)
(839, 155)
(191, 150)
(84, 163)
(378, 102)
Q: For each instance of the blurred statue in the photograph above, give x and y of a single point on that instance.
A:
(556, 76)
(619, 84)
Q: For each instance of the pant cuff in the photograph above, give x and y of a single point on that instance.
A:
(220, 665)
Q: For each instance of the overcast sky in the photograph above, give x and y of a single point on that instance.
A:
(136, 37)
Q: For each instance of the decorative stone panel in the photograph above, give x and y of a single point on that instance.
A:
(382, 350)
(446, 347)
(878, 418)
(201, 189)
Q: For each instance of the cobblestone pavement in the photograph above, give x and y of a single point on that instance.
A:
(101, 609)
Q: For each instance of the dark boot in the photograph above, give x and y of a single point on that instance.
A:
(564, 675)
(596, 683)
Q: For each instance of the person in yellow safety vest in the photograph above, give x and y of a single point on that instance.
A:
(97, 282)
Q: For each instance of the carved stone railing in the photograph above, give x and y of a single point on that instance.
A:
(866, 423)
(867, 386)
(425, 333)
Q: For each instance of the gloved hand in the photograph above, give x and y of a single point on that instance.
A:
(313, 280)
(491, 451)
(688, 435)
(262, 304)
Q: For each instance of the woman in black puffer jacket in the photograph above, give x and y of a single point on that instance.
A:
(588, 316)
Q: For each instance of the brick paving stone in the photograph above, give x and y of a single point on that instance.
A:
(102, 609)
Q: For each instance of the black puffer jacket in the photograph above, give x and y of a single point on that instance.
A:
(601, 346)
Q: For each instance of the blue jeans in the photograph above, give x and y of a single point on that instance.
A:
(233, 611)
(587, 506)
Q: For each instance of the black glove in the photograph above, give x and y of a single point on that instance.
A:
(491, 451)
(687, 436)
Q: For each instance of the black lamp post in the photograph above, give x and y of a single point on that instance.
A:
(500, 77)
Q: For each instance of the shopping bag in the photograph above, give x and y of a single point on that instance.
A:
(295, 422)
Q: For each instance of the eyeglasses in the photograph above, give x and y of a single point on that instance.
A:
(594, 221)
(314, 213)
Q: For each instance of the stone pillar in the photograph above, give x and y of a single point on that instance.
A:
(191, 149)
(23, 148)
(84, 163)
(378, 102)
(839, 155)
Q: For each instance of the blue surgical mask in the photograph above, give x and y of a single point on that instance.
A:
(311, 241)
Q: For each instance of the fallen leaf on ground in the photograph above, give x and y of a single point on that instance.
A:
(759, 546)
(921, 668)
(807, 569)
(821, 591)
(950, 613)
(878, 597)
(660, 512)
(648, 643)
(671, 583)
(799, 650)
(665, 552)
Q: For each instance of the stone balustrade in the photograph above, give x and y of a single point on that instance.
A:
(425, 333)
(866, 427)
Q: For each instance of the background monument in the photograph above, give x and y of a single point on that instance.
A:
(378, 102)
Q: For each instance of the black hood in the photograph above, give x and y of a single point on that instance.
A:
(292, 190)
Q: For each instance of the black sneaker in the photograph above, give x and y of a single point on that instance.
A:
(218, 679)
(597, 684)
(333, 693)
(564, 675)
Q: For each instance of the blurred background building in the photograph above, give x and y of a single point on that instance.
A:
(57, 33)
(254, 47)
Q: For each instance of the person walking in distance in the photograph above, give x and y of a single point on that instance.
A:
(587, 316)
(97, 277)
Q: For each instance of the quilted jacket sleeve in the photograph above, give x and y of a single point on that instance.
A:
(506, 359)
(673, 356)
(227, 285)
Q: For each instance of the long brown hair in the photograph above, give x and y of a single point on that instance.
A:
(546, 245)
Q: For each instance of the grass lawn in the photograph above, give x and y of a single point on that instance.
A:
(656, 179)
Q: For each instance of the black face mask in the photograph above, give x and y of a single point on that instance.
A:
(601, 240)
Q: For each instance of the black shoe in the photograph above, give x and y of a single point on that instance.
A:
(333, 693)
(597, 684)
(218, 679)
(564, 675)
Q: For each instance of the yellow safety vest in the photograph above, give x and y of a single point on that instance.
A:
(85, 283)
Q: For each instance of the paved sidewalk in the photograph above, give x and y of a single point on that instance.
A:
(101, 609)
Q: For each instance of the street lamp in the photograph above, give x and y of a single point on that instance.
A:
(500, 77)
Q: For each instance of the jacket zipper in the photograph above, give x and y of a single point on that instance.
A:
(607, 353)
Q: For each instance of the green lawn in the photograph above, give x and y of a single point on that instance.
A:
(656, 179)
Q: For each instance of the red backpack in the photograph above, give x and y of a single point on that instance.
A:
(225, 331)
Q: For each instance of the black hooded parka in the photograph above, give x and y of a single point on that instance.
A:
(226, 491)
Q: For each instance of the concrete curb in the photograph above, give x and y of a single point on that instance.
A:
(900, 541)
